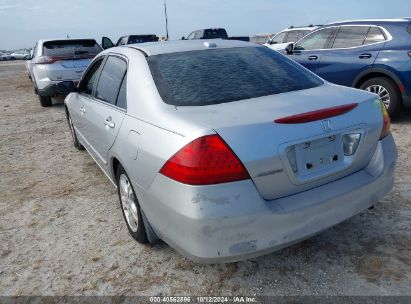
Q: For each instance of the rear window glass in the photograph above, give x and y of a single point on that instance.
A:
(374, 35)
(225, 75)
(142, 38)
(88, 47)
(214, 34)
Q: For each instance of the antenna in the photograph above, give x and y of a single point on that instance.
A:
(165, 13)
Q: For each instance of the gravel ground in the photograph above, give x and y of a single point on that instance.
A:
(62, 231)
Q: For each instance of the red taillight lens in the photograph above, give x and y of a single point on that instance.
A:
(386, 122)
(205, 161)
(316, 115)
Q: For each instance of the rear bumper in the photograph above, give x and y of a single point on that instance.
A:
(231, 222)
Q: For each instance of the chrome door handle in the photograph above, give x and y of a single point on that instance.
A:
(82, 110)
(109, 123)
(364, 56)
(312, 57)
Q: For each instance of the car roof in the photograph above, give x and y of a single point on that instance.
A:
(372, 21)
(300, 28)
(156, 48)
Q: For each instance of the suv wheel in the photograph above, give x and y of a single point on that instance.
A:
(388, 92)
(130, 207)
(45, 101)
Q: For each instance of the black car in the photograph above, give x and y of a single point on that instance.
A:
(130, 39)
(214, 33)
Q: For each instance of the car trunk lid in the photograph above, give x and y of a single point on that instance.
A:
(287, 158)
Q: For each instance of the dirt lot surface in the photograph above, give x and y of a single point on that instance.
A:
(62, 231)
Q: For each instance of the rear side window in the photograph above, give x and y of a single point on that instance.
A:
(317, 40)
(122, 94)
(209, 77)
(110, 80)
(80, 47)
(350, 36)
(374, 35)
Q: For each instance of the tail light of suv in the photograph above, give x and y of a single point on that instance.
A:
(206, 160)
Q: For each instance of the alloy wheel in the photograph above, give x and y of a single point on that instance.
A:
(128, 203)
(380, 91)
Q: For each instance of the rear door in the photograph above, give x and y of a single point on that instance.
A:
(353, 50)
(105, 112)
(309, 50)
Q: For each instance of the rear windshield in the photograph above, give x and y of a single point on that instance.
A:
(142, 38)
(216, 76)
(215, 34)
(86, 47)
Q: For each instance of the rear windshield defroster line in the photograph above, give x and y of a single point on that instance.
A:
(207, 77)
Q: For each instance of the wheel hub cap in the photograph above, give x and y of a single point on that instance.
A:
(127, 203)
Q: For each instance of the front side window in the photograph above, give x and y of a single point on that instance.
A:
(279, 38)
(207, 77)
(87, 84)
(294, 36)
(110, 80)
(317, 40)
(350, 36)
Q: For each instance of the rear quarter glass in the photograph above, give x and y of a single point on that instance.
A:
(208, 77)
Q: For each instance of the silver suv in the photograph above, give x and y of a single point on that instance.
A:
(54, 61)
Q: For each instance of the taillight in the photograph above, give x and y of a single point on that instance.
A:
(53, 59)
(316, 115)
(386, 121)
(206, 160)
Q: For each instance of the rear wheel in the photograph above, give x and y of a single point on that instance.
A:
(388, 92)
(45, 101)
(130, 207)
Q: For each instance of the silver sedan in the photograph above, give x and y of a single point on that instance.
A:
(227, 150)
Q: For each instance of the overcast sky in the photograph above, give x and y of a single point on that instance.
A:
(22, 22)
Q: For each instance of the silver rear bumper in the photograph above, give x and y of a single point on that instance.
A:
(231, 222)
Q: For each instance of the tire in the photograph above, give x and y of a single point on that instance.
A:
(76, 143)
(45, 101)
(130, 207)
(381, 86)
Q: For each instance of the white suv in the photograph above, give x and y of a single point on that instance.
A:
(287, 36)
(54, 61)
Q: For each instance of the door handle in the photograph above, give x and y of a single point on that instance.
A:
(82, 110)
(364, 56)
(109, 123)
(312, 57)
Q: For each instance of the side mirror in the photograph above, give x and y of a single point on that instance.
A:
(183, 38)
(66, 87)
(289, 49)
(272, 42)
(106, 43)
(31, 54)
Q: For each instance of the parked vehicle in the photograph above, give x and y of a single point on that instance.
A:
(58, 60)
(372, 55)
(287, 36)
(4, 57)
(230, 153)
(261, 38)
(131, 39)
(214, 33)
(20, 56)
